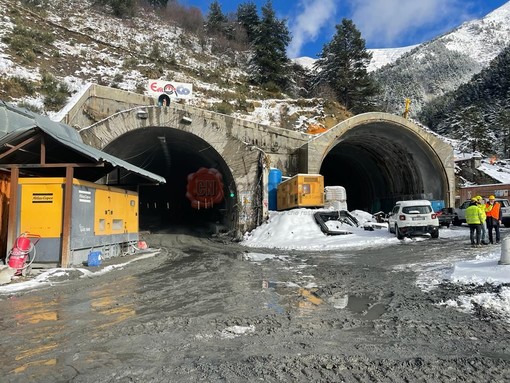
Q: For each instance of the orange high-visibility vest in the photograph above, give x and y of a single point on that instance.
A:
(495, 212)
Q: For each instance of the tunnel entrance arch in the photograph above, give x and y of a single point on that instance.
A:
(381, 159)
(176, 155)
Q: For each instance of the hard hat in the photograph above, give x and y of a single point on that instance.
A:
(478, 197)
(492, 197)
(474, 199)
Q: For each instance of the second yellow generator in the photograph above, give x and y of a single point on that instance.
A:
(302, 190)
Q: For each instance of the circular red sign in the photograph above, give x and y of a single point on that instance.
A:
(205, 188)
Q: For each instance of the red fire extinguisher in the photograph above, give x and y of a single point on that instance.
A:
(19, 257)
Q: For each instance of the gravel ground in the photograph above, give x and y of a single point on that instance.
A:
(203, 310)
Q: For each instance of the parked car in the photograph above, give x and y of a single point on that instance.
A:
(446, 216)
(460, 212)
(414, 217)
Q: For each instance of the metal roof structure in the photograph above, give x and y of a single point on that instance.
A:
(44, 147)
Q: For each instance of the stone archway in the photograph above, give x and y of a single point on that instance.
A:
(174, 144)
(381, 158)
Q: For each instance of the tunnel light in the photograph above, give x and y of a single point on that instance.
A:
(186, 120)
(142, 114)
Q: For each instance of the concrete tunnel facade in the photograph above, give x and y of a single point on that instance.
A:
(378, 157)
(382, 158)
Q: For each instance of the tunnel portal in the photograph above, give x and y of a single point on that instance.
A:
(380, 163)
(175, 154)
(379, 158)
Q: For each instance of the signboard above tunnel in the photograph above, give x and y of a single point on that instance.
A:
(166, 90)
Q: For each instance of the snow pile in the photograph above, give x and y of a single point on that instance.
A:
(297, 229)
(482, 271)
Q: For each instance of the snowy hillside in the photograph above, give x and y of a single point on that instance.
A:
(385, 56)
(482, 40)
(442, 65)
(81, 42)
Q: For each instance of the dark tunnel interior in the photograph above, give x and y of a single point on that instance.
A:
(175, 155)
(379, 165)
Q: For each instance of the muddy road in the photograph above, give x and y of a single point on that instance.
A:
(204, 311)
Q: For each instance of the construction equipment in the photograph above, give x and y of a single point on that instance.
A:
(301, 190)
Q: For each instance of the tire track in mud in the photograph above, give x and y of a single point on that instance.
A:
(217, 312)
(411, 339)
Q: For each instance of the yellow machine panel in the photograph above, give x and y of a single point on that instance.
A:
(302, 190)
(116, 211)
(41, 209)
(103, 218)
(132, 213)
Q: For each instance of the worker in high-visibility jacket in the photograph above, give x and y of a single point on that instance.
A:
(481, 205)
(474, 219)
(493, 212)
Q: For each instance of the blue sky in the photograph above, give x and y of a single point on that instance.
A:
(383, 23)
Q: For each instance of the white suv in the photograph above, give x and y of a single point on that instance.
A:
(414, 217)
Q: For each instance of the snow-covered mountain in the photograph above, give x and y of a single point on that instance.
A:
(423, 72)
(482, 40)
(79, 42)
(445, 63)
(386, 56)
(380, 57)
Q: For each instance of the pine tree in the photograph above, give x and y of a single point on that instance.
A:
(478, 140)
(269, 64)
(503, 123)
(158, 3)
(123, 8)
(216, 20)
(248, 18)
(342, 65)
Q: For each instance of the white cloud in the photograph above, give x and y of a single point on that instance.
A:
(306, 26)
(389, 22)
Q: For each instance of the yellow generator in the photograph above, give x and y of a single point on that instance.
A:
(302, 190)
(103, 218)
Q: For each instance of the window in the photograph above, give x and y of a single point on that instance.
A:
(416, 209)
(117, 224)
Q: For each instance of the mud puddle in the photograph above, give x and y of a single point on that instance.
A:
(216, 313)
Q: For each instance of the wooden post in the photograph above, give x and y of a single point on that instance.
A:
(66, 220)
(13, 207)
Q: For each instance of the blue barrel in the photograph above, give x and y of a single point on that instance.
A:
(275, 177)
(94, 259)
